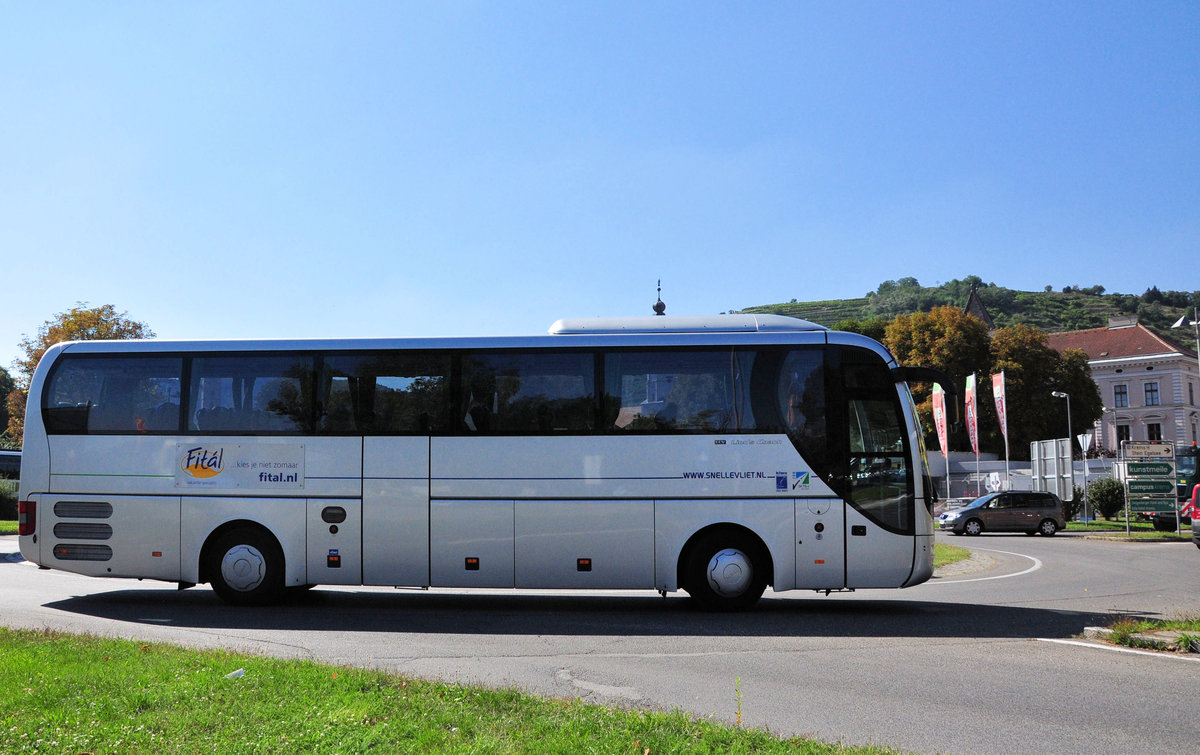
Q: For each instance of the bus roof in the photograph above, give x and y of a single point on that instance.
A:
(683, 324)
(649, 331)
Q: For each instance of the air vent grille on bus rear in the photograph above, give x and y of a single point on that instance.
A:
(82, 531)
(83, 509)
(75, 552)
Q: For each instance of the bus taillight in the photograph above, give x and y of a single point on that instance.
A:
(26, 517)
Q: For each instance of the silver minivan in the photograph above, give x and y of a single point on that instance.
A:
(1010, 511)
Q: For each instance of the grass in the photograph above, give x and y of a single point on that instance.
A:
(8, 506)
(1162, 537)
(1125, 631)
(944, 555)
(1137, 530)
(68, 693)
(1113, 525)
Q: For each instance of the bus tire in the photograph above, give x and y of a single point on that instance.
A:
(726, 570)
(245, 567)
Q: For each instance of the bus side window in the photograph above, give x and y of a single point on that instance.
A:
(679, 391)
(385, 394)
(251, 393)
(117, 395)
(528, 393)
(800, 392)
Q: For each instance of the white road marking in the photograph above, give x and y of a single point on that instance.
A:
(1037, 564)
(1116, 649)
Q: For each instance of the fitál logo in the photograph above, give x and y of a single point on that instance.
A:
(203, 463)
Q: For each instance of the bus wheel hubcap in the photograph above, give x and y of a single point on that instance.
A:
(243, 568)
(729, 572)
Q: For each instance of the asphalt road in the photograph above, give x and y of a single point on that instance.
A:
(982, 659)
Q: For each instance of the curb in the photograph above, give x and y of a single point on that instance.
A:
(1162, 639)
(1121, 538)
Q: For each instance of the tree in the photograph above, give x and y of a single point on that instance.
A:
(871, 327)
(1028, 364)
(80, 323)
(1107, 496)
(14, 402)
(946, 338)
(1032, 370)
(1073, 376)
(7, 386)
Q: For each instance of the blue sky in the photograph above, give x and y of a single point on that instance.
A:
(394, 169)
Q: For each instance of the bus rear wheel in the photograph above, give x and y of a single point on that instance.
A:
(725, 571)
(245, 567)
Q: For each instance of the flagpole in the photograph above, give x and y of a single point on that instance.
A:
(998, 393)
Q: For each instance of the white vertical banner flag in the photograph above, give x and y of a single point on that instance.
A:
(1002, 415)
(1001, 412)
(939, 416)
(972, 414)
(972, 410)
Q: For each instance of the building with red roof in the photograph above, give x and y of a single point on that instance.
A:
(1149, 385)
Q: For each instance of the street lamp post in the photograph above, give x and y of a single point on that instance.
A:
(1070, 450)
(1067, 396)
(1195, 323)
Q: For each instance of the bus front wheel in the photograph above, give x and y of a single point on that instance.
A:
(245, 567)
(725, 571)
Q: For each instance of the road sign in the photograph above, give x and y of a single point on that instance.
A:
(1145, 487)
(1150, 480)
(1152, 504)
(1150, 469)
(1149, 449)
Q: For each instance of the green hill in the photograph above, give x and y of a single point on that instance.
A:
(1073, 308)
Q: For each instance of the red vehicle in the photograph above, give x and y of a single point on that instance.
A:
(1164, 521)
(1192, 513)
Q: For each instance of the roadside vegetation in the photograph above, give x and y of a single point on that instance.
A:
(1181, 634)
(944, 555)
(67, 693)
(1070, 307)
(8, 507)
(1137, 530)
